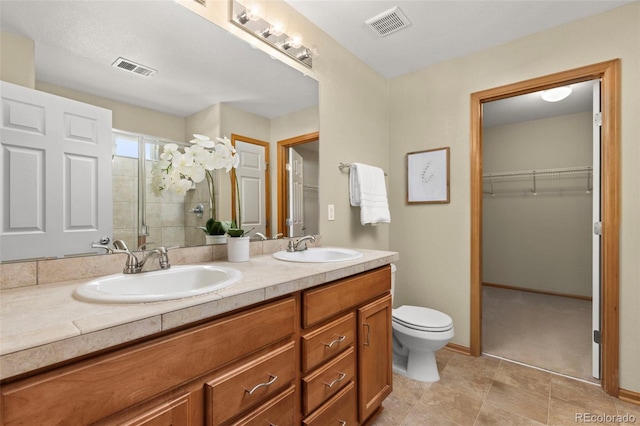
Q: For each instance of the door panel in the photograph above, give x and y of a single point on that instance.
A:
(595, 304)
(295, 216)
(56, 174)
(251, 175)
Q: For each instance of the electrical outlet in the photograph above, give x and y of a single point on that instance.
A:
(331, 212)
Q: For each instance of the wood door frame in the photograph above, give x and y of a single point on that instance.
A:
(267, 178)
(609, 73)
(283, 191)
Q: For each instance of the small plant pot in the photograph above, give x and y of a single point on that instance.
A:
(216, 239)
(238, 249)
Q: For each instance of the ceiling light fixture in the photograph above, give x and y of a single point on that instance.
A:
(556, 94)
(272, 34)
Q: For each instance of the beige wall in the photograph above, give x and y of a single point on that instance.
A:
(21, 68)
(430, 108)
(540, 242)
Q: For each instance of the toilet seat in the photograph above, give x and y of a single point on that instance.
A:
(422, 319)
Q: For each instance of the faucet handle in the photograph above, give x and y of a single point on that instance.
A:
(120, 245)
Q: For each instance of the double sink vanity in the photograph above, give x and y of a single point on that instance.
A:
(284, 339)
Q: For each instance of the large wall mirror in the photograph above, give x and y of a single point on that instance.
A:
(201, 79)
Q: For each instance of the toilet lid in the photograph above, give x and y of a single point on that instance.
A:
(421, 318)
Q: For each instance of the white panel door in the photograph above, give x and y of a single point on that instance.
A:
(295, 215)
(55, 182)
(596, 282)
(251, 175)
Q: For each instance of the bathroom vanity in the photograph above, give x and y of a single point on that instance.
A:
(315, 350)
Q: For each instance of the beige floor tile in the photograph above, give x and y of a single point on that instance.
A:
(407, 389)
(396, 408)
(490, 415)
(444, 402)
(519, 401)
(442, 358)
(421, 418)
(631, 411)
(536, 381)
(585, 395)
(564, 414)
(483, 366)
(466, 381)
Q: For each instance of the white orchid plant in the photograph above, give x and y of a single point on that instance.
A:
(178, 171)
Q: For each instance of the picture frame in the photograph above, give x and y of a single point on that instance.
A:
(428, 176)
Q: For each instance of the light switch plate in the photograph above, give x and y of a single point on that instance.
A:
(331, 212)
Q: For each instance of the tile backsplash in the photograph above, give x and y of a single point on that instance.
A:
(47, 271)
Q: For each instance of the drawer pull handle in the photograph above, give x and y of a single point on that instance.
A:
(367, 343)
(342, 422)
(339, 379)
(272, 379)
(340, 339)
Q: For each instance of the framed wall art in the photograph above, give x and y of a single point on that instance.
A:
(428, 176)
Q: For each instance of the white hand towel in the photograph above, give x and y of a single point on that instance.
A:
(367, 189)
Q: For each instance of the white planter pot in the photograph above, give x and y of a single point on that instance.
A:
(216, 239)
(238, 249)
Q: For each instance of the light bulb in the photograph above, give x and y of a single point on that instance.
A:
(556, 94)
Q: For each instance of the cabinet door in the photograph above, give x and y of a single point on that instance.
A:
(374, 356)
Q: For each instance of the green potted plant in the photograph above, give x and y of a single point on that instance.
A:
(214, 231)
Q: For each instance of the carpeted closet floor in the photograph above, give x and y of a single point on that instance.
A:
(550, 332)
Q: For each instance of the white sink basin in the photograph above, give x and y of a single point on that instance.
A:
(319, 255)
(169, 284)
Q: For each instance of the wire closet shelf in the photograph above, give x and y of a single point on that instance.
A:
(585, 172)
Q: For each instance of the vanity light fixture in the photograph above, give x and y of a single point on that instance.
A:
(556, 94)
(276, 30)
(247, 18)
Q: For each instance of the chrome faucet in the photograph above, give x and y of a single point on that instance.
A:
(133, 264)
(261, 236)
(291, 247)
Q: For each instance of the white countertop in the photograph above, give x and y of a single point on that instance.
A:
(43, 325)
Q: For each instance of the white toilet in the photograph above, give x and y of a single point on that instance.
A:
(418, 333)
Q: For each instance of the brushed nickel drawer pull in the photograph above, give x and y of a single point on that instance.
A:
(339, 379)
(368, 334)
(272, 379)
(342, 422)
(340, 339)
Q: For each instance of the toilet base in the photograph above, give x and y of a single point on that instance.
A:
(420, 366)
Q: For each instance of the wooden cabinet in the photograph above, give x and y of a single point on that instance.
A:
(317, 357)
(356, 360)
(91, 390)
(375, 368)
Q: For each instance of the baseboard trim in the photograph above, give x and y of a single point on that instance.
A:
(629, 396)
(530, 290)
(464, 350)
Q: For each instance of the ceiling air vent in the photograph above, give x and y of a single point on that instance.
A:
(388, 22)
(128, 65)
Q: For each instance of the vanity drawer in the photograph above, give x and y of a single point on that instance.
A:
(322, 303)
(320, 385)
(341, 410)
(277, 411)
(249, 384)
(327, 341)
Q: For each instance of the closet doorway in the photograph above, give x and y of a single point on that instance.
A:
(305, 200)
(540, 200)
(608, 73)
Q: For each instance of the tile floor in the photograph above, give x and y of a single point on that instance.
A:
(490, 391)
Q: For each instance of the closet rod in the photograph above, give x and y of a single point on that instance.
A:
(551, 173)
(558, 173)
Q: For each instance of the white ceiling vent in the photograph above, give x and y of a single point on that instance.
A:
(388, 22)
(128, 65)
